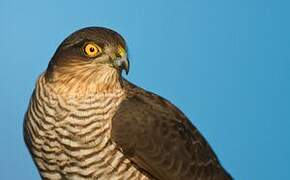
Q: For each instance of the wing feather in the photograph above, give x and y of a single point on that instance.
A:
(159, 139)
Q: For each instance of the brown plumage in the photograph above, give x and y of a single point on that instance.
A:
(85, 121)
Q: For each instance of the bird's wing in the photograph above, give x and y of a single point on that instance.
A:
(159, 139)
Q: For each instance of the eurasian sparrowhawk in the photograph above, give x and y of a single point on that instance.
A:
(85, 121)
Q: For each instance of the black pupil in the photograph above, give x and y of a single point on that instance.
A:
(92, 49)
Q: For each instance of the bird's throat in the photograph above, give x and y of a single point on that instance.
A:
(85, 82)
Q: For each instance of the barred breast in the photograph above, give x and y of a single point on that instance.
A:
(69, 137)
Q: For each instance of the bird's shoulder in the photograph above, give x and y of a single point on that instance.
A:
(159, 139)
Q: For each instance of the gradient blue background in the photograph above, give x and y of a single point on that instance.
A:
(225, 63)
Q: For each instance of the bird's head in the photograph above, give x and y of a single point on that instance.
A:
(91, 58)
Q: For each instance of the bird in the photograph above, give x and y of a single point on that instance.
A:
(86, 121)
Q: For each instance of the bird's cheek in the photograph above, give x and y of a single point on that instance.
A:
(105, 59)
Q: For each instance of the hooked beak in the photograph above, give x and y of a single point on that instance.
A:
(123, 64)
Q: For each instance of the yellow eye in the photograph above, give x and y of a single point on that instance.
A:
(92, 50)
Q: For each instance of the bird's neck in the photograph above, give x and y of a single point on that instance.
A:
(84, 83)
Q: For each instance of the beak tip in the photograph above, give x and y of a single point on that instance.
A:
(127, 68)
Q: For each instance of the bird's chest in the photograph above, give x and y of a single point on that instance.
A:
(75, 137)
(87, 122)
(81, 125)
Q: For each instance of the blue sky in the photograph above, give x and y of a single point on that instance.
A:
(225, 63)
